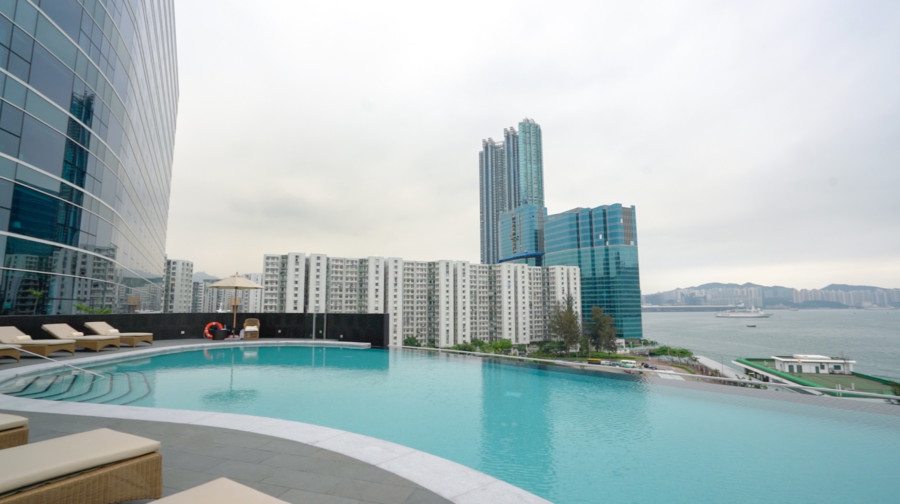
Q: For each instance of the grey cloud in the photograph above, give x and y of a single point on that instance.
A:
(750, 136)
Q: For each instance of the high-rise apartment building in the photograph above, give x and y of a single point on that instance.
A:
(602, 242)
(179, 286)
(87, 127)
(283, 281)
(511, 176)
(251, 299)
(443, 303)
(531, 164)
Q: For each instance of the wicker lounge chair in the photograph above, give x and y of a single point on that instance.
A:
(12, 336)
(100, 466)
(128, 338)
(93, 342)
(13, 430)
(223, 491)
(251, 328)
(10, 351)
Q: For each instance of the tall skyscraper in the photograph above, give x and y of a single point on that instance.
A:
(87, 128)
(602, 242)
(531, 164)
(511, 176)
(494, 196)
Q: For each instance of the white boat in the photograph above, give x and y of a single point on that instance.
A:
(744, 313)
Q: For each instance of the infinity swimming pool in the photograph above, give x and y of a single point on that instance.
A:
(565, 436)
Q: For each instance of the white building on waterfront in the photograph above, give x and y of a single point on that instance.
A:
(436, 302)
(809, 363)
(178, 288)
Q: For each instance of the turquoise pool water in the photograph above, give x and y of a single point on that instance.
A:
(571, 438)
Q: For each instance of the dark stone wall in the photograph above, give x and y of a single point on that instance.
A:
(361, 328)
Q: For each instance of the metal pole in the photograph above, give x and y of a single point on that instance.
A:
(61, 362)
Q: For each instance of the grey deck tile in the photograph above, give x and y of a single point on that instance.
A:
(191, 461)
(266, 488)
(244, 470)
(226, 451)
(337, 468)
(372, 492)
(301, 480)
(419, 496)
(182, 479)
(303, 497)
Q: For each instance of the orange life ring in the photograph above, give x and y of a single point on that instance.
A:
(217, 325)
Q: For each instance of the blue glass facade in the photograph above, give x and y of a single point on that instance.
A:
(87, 127)
(602, 241)
(522, 235)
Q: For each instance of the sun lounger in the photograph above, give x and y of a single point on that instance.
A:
(99, 466)
(13, 430)
(220, 491)
(10, 335)
(128, 338)
(10, 351)
(94, 342)
(251, 328)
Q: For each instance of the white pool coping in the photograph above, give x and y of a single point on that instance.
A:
(450, 480)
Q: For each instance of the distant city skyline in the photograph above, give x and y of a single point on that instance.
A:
(763, 150)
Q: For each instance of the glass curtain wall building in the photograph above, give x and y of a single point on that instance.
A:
(522, 235)
(511, 175)
(602, 241)
(87, 128)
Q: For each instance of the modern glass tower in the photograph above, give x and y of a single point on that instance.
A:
(602, 241)
(493, 195)
(87, 128)
(522, 234)
(531, 164)
(511, 176)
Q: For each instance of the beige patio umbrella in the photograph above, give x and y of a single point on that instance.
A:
(236, 283)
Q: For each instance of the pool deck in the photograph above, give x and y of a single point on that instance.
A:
(291, 471)
(293, 461)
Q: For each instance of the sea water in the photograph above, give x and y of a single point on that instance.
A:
(870, 337)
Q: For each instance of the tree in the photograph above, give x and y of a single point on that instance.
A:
(38, 295)
(90, 310)
(411, 341)
(501, 346)
(564, 324)
(603, 330)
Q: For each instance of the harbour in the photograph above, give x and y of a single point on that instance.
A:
(870, 337)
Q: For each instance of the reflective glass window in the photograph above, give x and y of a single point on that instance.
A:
(51, 77)
(66, 13)
(21, 44)
(41, 146)
(11, 119)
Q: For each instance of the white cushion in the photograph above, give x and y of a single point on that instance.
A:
(112, 331)
(23, 338)
(25, 465)
(97, 337)
(77, 334)
(222, 490)
(11, 421)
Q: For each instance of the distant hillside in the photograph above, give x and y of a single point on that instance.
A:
(829, 287)
(751, 294)
(848, 288)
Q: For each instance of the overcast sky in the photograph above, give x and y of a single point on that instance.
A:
(759, 141)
